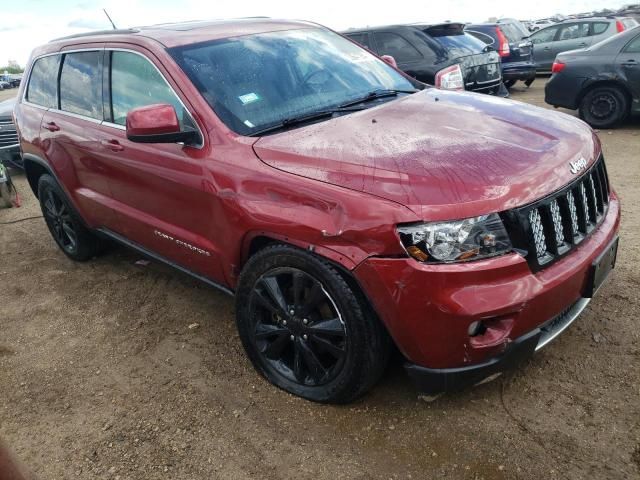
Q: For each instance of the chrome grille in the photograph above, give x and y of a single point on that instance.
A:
(8, 134)
(549, 228)
(537, 231)
(556, 217)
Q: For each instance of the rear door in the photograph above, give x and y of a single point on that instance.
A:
(628, 66)
(572, 36)
(70, 132)
(543, 47)
(162, 196)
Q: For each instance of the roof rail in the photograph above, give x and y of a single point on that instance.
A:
(119, 31)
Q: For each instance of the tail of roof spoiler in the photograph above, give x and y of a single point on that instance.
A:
(443, 29)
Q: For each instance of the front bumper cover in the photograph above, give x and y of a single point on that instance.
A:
(437, 380)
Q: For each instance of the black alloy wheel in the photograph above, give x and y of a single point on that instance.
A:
(298, 329)
(306, 329)
(65, 225)
(59, 221)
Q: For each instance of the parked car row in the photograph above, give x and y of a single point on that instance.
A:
(8, 81)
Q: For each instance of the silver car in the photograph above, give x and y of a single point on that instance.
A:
(574, 34)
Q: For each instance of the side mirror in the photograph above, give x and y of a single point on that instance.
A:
(390, 60)
(156, 124)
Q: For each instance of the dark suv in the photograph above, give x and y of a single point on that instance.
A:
(442, 55)
(511, 42)
(346, 205)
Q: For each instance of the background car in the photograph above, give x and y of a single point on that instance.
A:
(442, 55)
(510, 39)
(574, 34)
(602, 82)
(539, 24)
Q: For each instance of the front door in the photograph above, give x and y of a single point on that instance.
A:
(162, 198)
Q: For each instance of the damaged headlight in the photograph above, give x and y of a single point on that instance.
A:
(456, 241)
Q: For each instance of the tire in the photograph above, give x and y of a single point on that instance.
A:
(604, 107)
(326, 317)
(65, 225)
(509, 83)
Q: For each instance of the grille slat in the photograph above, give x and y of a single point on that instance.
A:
(564, 219)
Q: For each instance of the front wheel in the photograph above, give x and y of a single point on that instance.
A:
(305, 329)
(509, 83)
(604, 107)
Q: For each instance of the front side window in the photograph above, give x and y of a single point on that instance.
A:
(254, 82)
(42, 88)
(135, 82)
(545, 35)
(396, 46)
(81, 84)
(361, 38)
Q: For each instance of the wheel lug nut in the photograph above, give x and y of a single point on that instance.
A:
(305, 336)
(284, 322)
(291, 311)
(292, 337)
(305, 321)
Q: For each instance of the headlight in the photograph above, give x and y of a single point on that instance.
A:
(460, 240)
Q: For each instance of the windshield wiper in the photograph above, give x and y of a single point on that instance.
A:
(309, 117)
(375, 94)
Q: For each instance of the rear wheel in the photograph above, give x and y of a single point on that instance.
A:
(305, 329)
(66, 228)
(509, 83)
(604, 107)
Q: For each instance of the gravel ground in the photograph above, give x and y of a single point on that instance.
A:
(101, 377)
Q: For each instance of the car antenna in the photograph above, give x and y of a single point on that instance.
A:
(112, 24)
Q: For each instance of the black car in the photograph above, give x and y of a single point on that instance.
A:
(602, 81)
(442, 55)
(511, 41)
(9, 145)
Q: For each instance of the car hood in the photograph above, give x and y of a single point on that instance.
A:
(442, 154)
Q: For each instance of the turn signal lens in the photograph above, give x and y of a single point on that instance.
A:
(558, 67)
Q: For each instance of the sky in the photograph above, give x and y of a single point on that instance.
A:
(25, 24)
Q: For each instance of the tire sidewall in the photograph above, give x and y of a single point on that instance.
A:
(85, 243)
(614, 119)
(345, 301)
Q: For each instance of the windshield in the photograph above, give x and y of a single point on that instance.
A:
(460, 45)
(256, 81)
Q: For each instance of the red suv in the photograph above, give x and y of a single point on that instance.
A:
(348, 207)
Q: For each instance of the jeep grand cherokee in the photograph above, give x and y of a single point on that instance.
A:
(347, 206)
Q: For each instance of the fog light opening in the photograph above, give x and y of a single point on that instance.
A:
(477, 328)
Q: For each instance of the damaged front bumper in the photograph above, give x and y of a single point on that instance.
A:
(437, 380)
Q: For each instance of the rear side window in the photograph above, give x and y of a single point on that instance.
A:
(135, 82)
(42, 88)
(599, 27)
(396, 46)
(81, 84)
(573, 31)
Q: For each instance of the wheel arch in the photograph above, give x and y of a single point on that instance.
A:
(34, 168)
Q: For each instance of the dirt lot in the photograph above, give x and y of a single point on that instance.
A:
(8, 93)
(101, 377)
